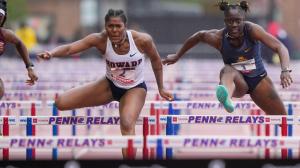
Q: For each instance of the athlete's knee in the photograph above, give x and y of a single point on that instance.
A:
(60, 103)
(229, 72)
(127, 126)
(227, 69)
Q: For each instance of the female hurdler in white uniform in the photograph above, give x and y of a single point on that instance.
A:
(124, 52)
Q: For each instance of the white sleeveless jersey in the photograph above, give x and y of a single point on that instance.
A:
(125, 71)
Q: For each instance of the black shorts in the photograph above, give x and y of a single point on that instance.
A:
(252, 82)
(117, 92)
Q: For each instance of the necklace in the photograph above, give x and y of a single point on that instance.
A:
(228, 36)
(117, 45)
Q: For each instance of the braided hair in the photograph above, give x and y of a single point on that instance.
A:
(225, 6)
(116, 13)
(3, 6)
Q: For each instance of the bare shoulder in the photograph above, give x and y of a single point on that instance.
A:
(4, 30)
(141, 37)
(10, 36)
(142, 40)
(251, 23)
(255, 30)
(7, 32)
(97, 37)
(98, 40)
(215, 33)
(212, 37)
(254, 26)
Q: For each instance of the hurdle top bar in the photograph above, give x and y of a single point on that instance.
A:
(175, 119)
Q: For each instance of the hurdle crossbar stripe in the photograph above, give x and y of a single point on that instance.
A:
(190, 141)
(70, 142)
(180, 105)
(19, 104)
(233, 119)
(167, 141)
(185, 94)
(190, 105)
(176, 119)
(12, 120)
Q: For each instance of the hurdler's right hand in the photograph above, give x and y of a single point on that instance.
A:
(46, 55)
(171, 59)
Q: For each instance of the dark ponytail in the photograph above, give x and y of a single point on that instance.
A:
(245, 6)
(115, 13)
(225, 6)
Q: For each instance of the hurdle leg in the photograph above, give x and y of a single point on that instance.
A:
(5, 133)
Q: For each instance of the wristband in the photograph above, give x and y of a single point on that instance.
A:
(286, 70)
(29, 66)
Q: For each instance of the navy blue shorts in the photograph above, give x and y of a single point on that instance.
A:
(252, 82)
(117, 92)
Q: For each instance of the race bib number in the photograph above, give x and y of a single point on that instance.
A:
(245, 66)
(123, 75)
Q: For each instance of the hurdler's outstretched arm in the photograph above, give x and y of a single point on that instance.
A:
(211, 37)
(92, 40)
